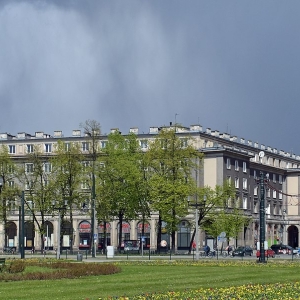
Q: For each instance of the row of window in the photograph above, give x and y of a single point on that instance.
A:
(47, 167)
(278, 163)
(85, 146)
(236, 165)
(276, 209)
(255, 173)
(255, 189)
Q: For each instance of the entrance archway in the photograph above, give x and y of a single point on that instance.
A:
(183, 235)
(48, 235)
(84, 230)
(29, 235)
(293, 239)
(66, 234)
(11, 234)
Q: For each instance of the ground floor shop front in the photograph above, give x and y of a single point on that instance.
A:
(77, 236)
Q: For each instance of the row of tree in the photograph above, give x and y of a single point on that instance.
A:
(121, 180)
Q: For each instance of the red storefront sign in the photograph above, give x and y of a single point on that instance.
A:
(101, 228)
(146, 227)
(84, 227)
(125, 227)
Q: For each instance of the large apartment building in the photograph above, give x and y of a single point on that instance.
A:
(226, 157)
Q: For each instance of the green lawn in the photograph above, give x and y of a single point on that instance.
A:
(137, 278)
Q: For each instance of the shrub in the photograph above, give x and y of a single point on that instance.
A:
(16, 266)
(61, 269)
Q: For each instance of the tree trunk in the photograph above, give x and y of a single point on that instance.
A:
(158, 234)
(120, 231)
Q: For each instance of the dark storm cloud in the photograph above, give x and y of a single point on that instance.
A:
(231, 65)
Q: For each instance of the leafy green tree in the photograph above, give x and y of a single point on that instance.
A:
(171, 160)
(226, 219)
(67, 173)
(35, 175)
(8, 189)
(210, 202)
(235, 221)
(92, 131)
(119, 175)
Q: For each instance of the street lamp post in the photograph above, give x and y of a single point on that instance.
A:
(283, 227)
(262, 221)
(22, 227)
(197, 205)
(93, 217)
(3, 216)
(59, 209)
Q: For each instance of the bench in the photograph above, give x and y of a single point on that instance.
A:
(2, 263)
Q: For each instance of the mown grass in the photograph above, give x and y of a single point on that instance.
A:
(142, 277)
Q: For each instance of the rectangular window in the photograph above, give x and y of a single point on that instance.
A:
(30, 204)
(11, 183)
(274, 194)
(67, 146)
(268, 193)
(254, 174)
(103, 144)
(229, 179)
(47, 167)
(268, 210)
(244, 202)
(48, 148)
(255, 191)
(12, 149)
(85, 165)
(237, 203)
(144, 144)
(184, 143)
(85, 146)
(236, 165)
(10, 169)
(280, 179)
(29, 148)
(280, 195)
(236, 182)
(29, 168)
(164, 143)
(29, 185)
(228, 163)
(84, 185)
(255, 207)
(245, 183)
(274, 177)
(244, 167)
(229, 202)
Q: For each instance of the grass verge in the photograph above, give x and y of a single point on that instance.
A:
(155, 276)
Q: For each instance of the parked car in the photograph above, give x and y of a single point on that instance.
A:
(283, 249)
(268, 253)
(242, 251)
(131, 246)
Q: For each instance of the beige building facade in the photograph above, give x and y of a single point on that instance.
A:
(226, 157)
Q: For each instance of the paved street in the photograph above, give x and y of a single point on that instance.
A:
(102, 258)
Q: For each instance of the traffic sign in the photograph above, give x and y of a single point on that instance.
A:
(223, 234)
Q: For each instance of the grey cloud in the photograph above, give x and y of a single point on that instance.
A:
(232, 66)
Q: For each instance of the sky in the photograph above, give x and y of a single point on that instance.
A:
(231, 66)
